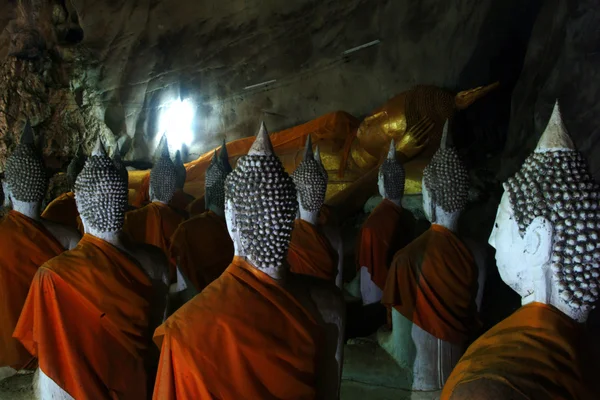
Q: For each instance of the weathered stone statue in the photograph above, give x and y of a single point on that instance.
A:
(156, 222)
(93, 308)
(201, 245)
(546, 239)
(283, 359)
(434, 284)
(388, 229)
(310, 252)
(63, 209)
(181, 200)
(28, 241)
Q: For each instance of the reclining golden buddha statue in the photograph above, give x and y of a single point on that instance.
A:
(351, 151)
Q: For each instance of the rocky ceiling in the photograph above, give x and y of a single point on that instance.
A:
(86, 68)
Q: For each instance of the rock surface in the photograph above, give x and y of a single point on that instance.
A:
(140, 54)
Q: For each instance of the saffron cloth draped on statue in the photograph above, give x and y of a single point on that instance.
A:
(63, 210)
(537, 351)
(433, 283)
(388, 229)
(154, 224)
(257, 342)
(87, 318)
(26, 245)
(203, 248)
(310, 252)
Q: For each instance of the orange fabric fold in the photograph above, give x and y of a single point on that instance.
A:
(310, 252)
(142, 196)
(87, 318)
(202, 248)
(26, 245)
(181, 202)
(388, 229)
(197, 207)
(63, 210)
(154, 224)
(433, 283)
(537, 351)
(219, 345)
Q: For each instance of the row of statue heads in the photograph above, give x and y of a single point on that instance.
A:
(549, 216)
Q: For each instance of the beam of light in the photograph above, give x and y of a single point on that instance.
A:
(176, 120)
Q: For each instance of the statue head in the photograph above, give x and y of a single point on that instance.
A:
(120, 165)
(75, 167)
(260, 207)
(25, 173)
(391, 176)
(445, 184)
(163, 176)
(310, 179)
(180, 169)
(214, 183)
(547, 227)
(101, 194)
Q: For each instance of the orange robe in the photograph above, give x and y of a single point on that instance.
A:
(154, 224)
(181, 202)
(87, 319)
(197, 207)
(433, 283)
(310, 252)
(221, 345)
(142, 195)
(26, 245)
(388, 229)
(63, 210)
(203, 248)
(537, 351)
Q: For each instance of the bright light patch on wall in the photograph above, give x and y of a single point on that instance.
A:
(176, 121)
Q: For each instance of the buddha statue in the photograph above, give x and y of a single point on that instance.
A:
(434, 284)
(63, 209)
(94, 307)
(286, 359)
(351, 151)
(388, 229)
(546, 240)
(181, 200)
(202, 264)
(310, 251)
(27, 242)
(156, 222)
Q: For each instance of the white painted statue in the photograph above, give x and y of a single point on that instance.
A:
(435, 284)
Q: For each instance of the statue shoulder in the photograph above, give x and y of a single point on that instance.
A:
(481, 389)
(152, 260)
(66, 235)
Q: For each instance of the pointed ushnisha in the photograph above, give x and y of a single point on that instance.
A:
(555, 136)
(27, 136)
(224, 157)
(446, 141)
(164, 148)
(318, 155)
(392, 151)
(99, 148)
(308, 151)
(163, 176)
(262, 146)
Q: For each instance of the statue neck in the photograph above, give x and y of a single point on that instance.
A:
(445, 219)
(159, 201)
(30, 210)
(113, 238)
(220, 211)
(309, 216)
(545, 291)
(276, 273)
(397, 202)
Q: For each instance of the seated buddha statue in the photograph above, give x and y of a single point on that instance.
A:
(434, 284)
(156, 222)
(28, 241)
(546, 240)
(388, 229)
(310, 251)
(202, 245)
(350, 150)
(293, 357)
(63, 209)
(91, 311)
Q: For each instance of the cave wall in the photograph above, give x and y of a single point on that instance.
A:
(115, 62)
(562, 62)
